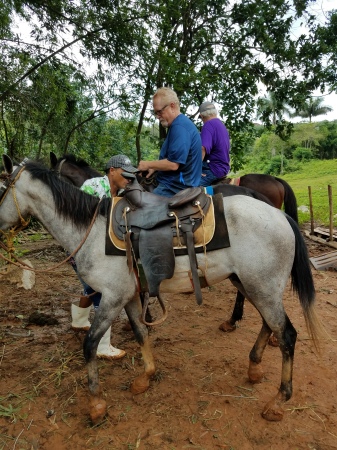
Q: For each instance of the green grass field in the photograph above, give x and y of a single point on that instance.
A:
(318, 175)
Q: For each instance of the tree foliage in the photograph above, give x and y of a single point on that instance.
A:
(88, 62)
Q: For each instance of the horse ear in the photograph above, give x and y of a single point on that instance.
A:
(8, 164)
(53, 160)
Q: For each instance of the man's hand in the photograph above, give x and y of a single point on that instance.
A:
(143, 166)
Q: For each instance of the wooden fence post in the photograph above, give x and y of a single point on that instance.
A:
(330, 213)
(312, 231)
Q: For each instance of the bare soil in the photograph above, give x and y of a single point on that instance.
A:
(200, 396)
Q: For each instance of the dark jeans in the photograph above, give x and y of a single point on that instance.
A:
(207, 176)
(87, 290)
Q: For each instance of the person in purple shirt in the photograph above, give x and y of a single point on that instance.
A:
(179, 164)
(215, 145)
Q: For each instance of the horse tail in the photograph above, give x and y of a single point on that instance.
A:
(303, 284)
(289, 201)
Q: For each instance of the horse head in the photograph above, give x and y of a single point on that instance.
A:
(74, 171)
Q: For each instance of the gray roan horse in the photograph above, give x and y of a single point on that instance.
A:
(266, 248)
(76, 171)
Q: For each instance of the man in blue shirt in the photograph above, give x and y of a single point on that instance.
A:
(179, 164)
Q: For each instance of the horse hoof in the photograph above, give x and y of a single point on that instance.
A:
(273, 341)
(255, 372)
(273, 411)
(97, 409)
(227, 327)
(140, 384)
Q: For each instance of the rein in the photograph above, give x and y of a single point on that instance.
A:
(23, 265)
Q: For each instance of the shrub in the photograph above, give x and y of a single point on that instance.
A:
(278, 164)
(302, 154)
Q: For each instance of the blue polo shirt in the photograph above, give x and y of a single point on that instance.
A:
(183, 146)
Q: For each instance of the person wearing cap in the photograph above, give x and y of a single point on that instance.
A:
(110, 185)
(179, 164)
(113, 181)
(215, 145)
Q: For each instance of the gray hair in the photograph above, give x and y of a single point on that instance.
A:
(209, 112)
(168, 94)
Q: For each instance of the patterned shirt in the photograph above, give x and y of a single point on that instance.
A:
(98, 187)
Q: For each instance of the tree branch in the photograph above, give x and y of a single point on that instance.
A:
(34, 68)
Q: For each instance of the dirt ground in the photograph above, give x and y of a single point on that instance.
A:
(200, 396)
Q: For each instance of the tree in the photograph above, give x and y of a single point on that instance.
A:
(311, 108)
(221, 51)
(271, 109)
(327, 146)
(217, 50)
(98, 30)
(306, 135)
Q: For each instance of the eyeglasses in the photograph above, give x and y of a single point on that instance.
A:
(160, 111)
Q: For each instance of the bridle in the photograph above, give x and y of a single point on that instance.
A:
(5, 187)
(10, 179)
(9, 184)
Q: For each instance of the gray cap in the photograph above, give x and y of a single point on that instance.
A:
(206, 106)
(121, 161)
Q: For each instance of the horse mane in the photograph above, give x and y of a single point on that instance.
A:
(70, 202)
(80, 163)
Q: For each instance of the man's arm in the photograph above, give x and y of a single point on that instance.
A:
(161, 164)
(203, 152)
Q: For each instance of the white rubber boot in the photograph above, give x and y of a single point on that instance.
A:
(106, 351)
(80, 318)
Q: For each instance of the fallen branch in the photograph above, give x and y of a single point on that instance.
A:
(229, 395)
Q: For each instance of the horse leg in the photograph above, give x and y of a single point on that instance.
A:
(98, 406)
(230, 325)
(142, 382)
(273, 410)
(255, 371)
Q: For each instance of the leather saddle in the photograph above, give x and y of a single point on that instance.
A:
(148, 223)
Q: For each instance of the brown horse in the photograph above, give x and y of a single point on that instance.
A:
(278, 191)
(267, 188)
